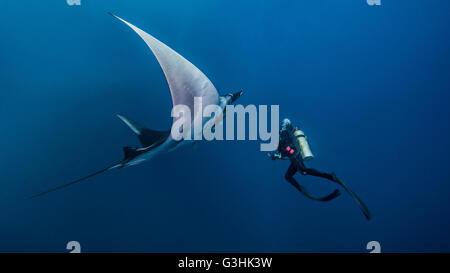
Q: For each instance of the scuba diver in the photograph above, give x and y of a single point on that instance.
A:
(294, 146)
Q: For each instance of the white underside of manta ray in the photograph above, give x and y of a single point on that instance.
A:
(185, 82)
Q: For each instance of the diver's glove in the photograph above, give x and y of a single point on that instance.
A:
(274, 156)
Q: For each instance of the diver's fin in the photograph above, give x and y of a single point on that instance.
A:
(328, 197)
(76, 181)
(146, 136)
(361, 204)
(331, 196)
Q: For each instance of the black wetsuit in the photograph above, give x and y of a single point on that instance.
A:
(297, 165)
(289, 148)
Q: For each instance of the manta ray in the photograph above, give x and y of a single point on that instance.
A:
(186, 82)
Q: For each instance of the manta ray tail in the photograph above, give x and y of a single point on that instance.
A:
(146, 136)
(76, 181)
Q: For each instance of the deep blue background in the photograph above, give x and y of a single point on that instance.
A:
(369, 86)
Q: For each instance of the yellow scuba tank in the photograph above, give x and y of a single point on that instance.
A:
(305, 151)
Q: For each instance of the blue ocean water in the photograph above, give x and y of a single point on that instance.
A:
(369, 85)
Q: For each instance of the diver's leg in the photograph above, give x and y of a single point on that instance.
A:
(289, 176)
(314, 172)
(334, 178)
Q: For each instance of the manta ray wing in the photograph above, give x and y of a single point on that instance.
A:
(147, 137)
(185, 80)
